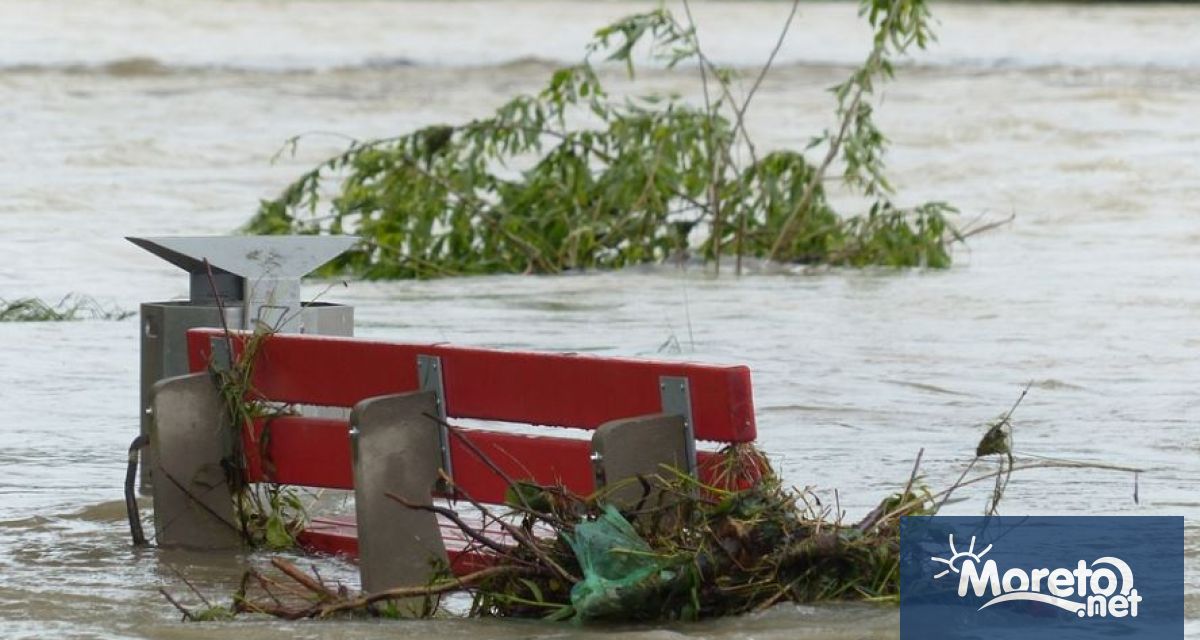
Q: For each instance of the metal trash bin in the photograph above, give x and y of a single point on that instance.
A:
(254, 279)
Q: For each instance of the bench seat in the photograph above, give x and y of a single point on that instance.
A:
(338, 536)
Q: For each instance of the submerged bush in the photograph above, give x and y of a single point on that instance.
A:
(71, 307)
(572, 178)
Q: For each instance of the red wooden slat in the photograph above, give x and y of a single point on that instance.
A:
(315, 452)
(538, 459)
(537, 388)
(310, 452)
(334, 537)
(339, 537)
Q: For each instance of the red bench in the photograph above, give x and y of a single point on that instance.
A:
(632, 406)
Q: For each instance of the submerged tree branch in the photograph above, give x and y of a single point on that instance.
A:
(528, 190)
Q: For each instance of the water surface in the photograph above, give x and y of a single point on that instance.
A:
(130, 118)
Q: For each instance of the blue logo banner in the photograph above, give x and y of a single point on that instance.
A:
(1037, 577)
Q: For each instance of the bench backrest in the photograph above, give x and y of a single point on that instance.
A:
(545, 389)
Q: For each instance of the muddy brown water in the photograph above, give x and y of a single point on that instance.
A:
(130, 118)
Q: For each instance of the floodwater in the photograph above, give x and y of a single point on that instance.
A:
(120, 117)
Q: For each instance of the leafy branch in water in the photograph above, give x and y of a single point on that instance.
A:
(574, 178)
(897, 25)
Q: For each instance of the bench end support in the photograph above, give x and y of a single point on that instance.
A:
(189, 436)
(397, 450)
(625, 449)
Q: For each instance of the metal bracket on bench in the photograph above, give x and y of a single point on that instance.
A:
(677, 400)
(429, 376)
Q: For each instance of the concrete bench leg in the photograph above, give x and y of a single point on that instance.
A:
(189, 435)
(396, 450)
(638, 446)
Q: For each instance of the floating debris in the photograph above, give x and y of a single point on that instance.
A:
(71, 307)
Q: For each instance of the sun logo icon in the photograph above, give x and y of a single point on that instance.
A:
(957, 557)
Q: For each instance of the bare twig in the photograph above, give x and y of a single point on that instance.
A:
(740, 122)
(517, 533)
(835, 145)
(912, 477)
(810, 189)
(1057, 464)
(189, 584)
(265, 584)
(455, 584)
(207, 509)
(187, 615)
(963, 234)
(452, 515)
(714, 184)
(957, 483)
(212, 283)
(305, 581)
(484, 458)
(687, 8)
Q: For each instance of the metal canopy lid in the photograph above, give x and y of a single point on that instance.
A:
(250, 257)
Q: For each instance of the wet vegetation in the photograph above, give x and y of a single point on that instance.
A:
(685, 551)
(71, 307)
(575, 178)
(269, 515)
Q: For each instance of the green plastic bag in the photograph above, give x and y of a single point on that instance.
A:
(618, 568)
